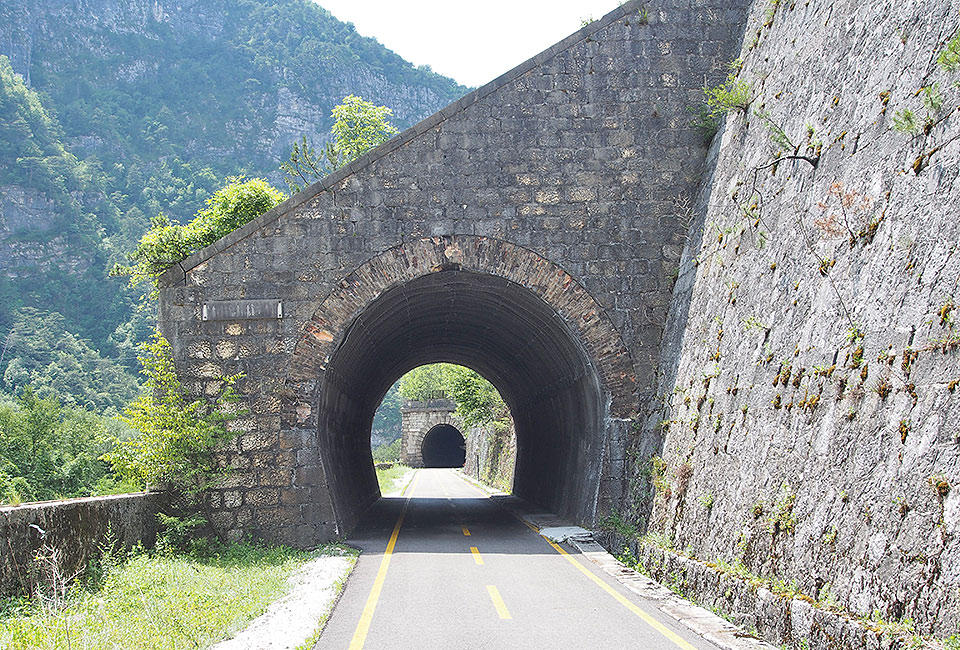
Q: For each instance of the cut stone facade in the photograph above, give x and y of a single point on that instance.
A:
(418, 419)
(530, 231)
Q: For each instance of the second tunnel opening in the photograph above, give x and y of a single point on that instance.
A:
(443, 446)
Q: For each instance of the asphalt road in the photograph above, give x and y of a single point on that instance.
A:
(461, 572)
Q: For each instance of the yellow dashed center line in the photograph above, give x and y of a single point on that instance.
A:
(466, 531)
(476, 555)
(620, 598)
(363, 627)
(498, 603)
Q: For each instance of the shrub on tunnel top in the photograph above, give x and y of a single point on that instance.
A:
(167, 243)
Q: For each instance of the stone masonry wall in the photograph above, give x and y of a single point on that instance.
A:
(417, 419)
(809, 417)
(492, 455)
(77, 528)
(577, 157)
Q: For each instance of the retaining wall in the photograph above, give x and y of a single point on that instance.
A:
(77, 528)
(810, 417)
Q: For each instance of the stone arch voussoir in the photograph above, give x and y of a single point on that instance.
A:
(322, 334)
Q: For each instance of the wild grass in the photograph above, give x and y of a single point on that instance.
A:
(157, 602)
(390, 477)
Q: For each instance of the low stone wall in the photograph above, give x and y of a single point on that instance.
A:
(76, 527)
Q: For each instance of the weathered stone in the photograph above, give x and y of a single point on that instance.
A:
(77, 528)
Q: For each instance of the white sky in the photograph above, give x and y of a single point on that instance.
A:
(473, 42)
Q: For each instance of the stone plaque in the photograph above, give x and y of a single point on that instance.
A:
(242, 309)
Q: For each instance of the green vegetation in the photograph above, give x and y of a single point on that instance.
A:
(175, 437)
(386, 420)
(165, 244)
(388, 479)
(157, 601)
(388, 453)
(30, 139)
(151, 117)
(75, 213)
(358, 126)
(783, 519)
(43, 353)
(732, 94)
(50, 451)
(949, 57)
(478, 401)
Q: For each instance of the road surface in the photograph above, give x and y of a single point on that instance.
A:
(445, 566)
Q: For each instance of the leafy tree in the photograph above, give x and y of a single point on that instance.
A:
(425, 382)
(358, 126)
(167, 243)
(48, 451)
(175, 437)
(478, 401)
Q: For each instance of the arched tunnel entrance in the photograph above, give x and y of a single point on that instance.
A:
(505, 332)
(443, 446)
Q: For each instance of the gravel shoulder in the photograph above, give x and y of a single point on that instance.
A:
(295, 620)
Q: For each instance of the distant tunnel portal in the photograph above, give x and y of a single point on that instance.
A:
(443, 446)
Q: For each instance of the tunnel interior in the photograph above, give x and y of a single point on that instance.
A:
(503, 331)
(443, 446)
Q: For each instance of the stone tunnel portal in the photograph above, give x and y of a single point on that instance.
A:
(506, 333)
(443, 446)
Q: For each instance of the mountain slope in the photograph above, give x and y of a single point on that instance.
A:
(127, 108)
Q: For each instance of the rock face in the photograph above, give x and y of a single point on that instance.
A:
(812, 355)
(142, 46)
(27, 240)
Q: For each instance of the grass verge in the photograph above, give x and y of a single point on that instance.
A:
(157, 602)
(393, 479)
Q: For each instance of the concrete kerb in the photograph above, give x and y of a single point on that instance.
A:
(703, 622)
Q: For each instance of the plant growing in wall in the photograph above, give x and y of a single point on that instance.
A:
(175, 438)
(731, 95)
(910, 121)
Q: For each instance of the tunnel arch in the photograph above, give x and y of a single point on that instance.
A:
(514, 317)
(443, 445)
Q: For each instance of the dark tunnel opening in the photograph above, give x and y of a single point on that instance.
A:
(443, 446)
(504, 332)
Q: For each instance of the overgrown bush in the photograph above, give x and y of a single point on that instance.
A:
(49, 451)
(175, 436)
(167, 243)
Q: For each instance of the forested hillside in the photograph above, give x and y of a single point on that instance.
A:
(112, 111)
